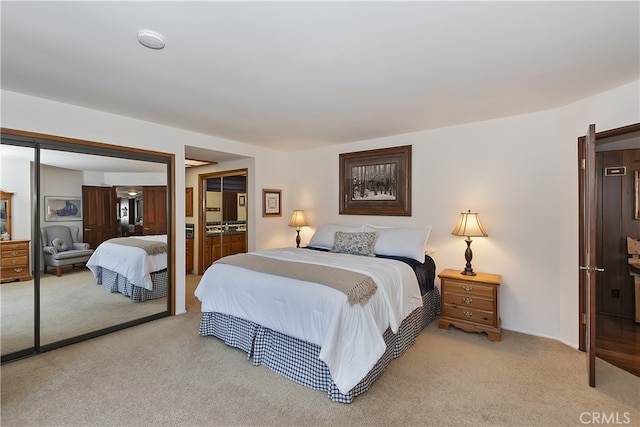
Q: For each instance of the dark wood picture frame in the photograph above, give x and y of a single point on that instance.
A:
(271, 202)
(376, 182)
(188, 201)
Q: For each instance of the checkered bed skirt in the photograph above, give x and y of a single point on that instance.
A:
(114, 282)
(299, 361)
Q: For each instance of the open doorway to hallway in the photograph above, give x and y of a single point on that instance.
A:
(617, 333)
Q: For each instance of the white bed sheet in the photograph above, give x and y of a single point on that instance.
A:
(129, 261)
(350, 337)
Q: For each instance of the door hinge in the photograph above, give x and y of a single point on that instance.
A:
(583, 164)
(584, 318)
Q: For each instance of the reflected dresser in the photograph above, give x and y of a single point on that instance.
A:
(15, 260)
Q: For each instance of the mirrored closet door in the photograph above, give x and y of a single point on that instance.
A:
(17, 290)
(223, 221)
(72, 202)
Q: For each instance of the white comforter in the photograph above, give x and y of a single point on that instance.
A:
(350, 337)
(129, 261)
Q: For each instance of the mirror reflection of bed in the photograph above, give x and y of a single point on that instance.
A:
(73, 304)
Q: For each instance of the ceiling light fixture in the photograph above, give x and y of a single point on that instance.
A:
(191, 163)
(150, 39)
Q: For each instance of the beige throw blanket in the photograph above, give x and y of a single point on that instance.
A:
(358, 287)
(152, 247)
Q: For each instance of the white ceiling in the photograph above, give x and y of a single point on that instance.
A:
(296, 75)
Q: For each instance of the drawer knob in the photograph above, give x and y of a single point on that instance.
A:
(467, 288)
(14, 261)
(467, 313)
(467, 300)
(17, 269)
(14, 253)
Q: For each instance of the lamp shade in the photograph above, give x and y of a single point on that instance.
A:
(297, 219)
(469, 225)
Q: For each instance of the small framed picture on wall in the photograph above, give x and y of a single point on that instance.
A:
(271, 202)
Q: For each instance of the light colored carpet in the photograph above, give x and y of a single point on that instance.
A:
(71, 305)
(164, 373)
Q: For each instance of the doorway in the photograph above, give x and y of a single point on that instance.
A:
(222, 216)
(617, 335)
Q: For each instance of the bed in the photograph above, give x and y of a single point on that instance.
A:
(319, 334)
(134, 266)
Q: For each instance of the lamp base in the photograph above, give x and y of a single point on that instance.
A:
(468, 272)
(468, 255)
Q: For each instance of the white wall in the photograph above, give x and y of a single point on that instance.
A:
(33, 114)
(520, 173)
(15, 178)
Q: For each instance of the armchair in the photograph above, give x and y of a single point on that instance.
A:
(61, 247)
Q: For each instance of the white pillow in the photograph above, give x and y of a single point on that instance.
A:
(401, 241)
(325, 234)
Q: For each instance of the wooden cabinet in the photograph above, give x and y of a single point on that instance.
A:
(470, 302)
(189, 252)
(15, 260)
(216, 247)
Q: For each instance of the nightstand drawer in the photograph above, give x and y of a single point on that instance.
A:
(470, 301)
(475, 289)
(469, 314)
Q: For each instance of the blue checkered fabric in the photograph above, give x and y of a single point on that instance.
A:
(114, 282)
(299, 360)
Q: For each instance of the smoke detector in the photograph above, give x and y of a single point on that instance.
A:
(150, 39)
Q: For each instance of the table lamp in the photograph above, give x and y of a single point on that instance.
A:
(469, 226)
(297, 221)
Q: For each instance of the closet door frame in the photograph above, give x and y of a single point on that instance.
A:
(39, 141)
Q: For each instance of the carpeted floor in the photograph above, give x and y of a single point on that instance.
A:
(164, 373)
(71, 305)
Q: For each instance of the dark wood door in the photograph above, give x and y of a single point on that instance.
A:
(154, 209)
(98, 214)
(588, 268)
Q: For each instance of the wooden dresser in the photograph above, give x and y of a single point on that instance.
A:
(15, 260)
(470, 302)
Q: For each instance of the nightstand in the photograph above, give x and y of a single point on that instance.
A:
(470, 302)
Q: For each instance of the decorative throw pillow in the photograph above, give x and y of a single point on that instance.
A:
(59, 244)
(360, 243)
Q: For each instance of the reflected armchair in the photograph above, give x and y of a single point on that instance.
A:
(61, 247)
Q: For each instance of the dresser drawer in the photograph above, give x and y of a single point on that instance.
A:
(14, 246)
(13, 253)
(460, 287)
(469, 314)
(21, 261)
(469, 300)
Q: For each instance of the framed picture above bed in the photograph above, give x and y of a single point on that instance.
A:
(57, 208)
(376, 182)
(271, 202)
